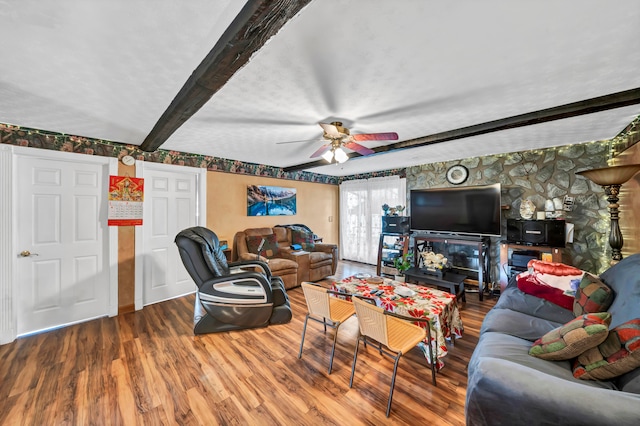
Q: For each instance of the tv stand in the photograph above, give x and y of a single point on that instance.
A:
(480, 255)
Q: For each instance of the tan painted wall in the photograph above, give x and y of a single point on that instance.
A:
(630, 203)
(317, 206)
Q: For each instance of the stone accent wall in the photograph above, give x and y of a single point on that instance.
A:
(540, 175)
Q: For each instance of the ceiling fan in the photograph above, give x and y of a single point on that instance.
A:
(339, 137)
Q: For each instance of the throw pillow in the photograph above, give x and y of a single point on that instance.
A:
(304, 238)
(617, 355)
(592, 295)
(558, 275)
(528, 283)
(269, 248)
(552, 268)
(573, 338)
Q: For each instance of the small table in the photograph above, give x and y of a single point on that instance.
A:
(438, 307)
(302, 259)
(453, 282)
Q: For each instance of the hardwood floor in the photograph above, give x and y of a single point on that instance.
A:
(148, 367)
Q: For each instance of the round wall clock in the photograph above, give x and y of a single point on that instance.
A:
(457, 174)
(128, 160)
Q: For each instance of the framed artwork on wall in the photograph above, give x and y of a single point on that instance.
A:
(270, 201)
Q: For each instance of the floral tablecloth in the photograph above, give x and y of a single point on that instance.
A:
(440, 307)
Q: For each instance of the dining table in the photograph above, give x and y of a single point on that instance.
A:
(431, 308)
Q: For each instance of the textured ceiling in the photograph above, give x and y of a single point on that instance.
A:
(110, 69)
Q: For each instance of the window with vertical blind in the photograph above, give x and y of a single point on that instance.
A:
(361, 211)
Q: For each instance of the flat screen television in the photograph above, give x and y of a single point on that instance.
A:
(470, 210)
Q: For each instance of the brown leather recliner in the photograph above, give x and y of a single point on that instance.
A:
(293, 267)
(323, 260)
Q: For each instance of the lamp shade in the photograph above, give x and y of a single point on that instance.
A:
(341, 156)
(328, 156)
(616, 175)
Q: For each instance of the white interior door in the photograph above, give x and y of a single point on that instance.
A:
(171, 204)
(63, 272)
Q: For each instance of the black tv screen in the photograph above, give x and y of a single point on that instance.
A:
(473, 210)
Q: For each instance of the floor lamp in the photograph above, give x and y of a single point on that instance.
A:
(611, 179)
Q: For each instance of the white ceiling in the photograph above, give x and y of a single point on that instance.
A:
(109, 69)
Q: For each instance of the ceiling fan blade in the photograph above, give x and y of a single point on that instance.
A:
(322, 150)
(392, 136)
(330, 129)
(307, 140)
(362, 150)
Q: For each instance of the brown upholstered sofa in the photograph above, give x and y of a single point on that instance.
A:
(316, 262)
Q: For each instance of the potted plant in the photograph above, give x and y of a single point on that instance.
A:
(402, 263)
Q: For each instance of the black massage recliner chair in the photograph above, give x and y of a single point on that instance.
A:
(230, 296)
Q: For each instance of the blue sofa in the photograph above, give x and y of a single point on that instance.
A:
(507, 386)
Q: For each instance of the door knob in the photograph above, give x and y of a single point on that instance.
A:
(27, 253)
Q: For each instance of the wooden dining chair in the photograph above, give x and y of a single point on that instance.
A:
(325, 309)
(395, 332)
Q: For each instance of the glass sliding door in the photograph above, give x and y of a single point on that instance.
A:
(360, 214)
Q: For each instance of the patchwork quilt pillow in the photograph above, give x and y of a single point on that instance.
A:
(573, 338)
(592, 295)
(269, 248)
(617, 355)
(302, 237)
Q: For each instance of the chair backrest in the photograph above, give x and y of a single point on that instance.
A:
(317, 300)
(201, 254)
(371, 320)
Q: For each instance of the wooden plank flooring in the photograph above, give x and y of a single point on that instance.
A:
(148, 368)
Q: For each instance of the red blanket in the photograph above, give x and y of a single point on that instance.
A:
(529, 284)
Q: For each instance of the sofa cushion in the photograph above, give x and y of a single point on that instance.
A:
(592, 295)
(617, 355)
(630, 382)
(319, 258)
(500, 392)
(269, 249)
(623, 278)
(515, 299)
(258, 231)
(573, 338)
(516, 350)
(516, 324)
(302, 237)
(281, 235)
(530, 284)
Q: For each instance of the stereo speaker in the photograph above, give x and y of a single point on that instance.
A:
(549, 233)
(395, 224)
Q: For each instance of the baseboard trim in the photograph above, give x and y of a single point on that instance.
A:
(125, 309)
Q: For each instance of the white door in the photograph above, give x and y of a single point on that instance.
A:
(63, 271)
(171, 204)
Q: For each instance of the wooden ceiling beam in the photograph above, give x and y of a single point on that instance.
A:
(257, 22)
(574, 109)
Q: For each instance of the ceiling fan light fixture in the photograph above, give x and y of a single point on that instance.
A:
(328, 156)
(341, 156)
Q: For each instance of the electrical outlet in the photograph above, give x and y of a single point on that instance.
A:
(330, 218)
